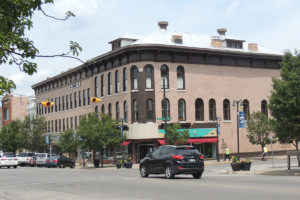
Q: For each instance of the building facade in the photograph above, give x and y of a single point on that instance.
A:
(203, 75)
(31, 107)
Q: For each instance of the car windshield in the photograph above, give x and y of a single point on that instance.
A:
(54, 157)
(23, 155)
(42, 155)
(9, 155)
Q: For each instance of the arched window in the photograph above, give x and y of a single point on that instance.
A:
(163, 108)
(181, 110)
(164, 73)
(212, 110)
(96, 109)
(118, 111)
(134, 78)
(124, 79)
(148, 77)
(103, 109)
(102, 86)
(135, 111)
(199, 105)
(96, 86)
(109, 84)
(110, 110)
(126, 111)
(226, 109)
(264, 108)
(246, 108)
(180, 78)
(149, 110)
(117, 84)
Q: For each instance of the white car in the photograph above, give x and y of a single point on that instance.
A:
(24, 158)
(41, 159)
(8, 160)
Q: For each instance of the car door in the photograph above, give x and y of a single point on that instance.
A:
(153, 162)
(162, 158)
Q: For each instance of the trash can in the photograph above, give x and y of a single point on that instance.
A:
(96, 163)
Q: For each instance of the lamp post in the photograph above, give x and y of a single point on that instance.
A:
(165, 112)
(237, 103)
(83, 163)
(122, 142)
(218, 130)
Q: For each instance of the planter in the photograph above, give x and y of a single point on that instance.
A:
(236, 166)
(246, 166)
(118, 165)
(128, 164)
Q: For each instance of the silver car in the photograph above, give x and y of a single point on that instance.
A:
(8, 160)
(41, 159)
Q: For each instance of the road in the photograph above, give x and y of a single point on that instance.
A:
(109, 183)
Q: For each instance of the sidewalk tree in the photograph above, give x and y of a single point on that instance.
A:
(284, 102)
(176, 135)
(68, 141)
(33, 131)
(10, 136)
(97, 130)
(259, 128)
(15, 47)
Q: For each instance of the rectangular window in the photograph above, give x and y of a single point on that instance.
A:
(89, 96)
(75, 123)
(59, 125)
(64, 125)
(6, 114)
(63, 103)
(83, 93)
(39, 105)
(67, 102)
(52, 106)
(79, 99)
(67, 123)
(71, 121)
(56, 125)
(59, 103)
(71, 101)
(55, 104)
(52, 126)
(75, 99)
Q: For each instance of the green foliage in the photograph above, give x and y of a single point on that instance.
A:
(97, 130)
(176, 135)
(245, 160)
(235, 159)
(68, 141)
(10, 136)
(284, 102)
(15, 47)
(259, 128)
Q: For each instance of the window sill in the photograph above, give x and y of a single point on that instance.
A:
(227, 121)
(167, 90)
(149, 90)
(181, 90)
(125, 92)
(134, 90)
(199, 121)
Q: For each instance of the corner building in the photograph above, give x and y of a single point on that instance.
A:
(203, 75)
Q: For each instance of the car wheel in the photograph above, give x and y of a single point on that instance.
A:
(168, 172)
(72, 165)
(143, 172)
(8, 166)
(197, 175)
(61, 166)
(15, 167)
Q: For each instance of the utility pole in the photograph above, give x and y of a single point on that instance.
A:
(165, 112)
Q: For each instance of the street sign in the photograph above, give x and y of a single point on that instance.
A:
(219, 131)
(162, 118)
(242, 119)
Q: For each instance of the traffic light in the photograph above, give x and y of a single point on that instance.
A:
(95, 100)
(47, 103)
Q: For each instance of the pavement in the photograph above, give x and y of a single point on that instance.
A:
(259, 169)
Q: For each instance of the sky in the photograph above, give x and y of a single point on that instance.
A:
(273, 24)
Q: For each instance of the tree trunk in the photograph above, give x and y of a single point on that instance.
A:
(101, 156)
(115, 154)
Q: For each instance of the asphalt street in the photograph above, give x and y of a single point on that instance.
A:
(111, 183)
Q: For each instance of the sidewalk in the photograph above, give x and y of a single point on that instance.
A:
(283, 171)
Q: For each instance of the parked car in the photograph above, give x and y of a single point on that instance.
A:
(59, 161)
(32, 161)
(172, 160)
(24, 157)
(8, 160)
(41, 159)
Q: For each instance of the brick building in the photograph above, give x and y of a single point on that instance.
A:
(203, 75)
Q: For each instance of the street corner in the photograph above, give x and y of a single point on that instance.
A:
(279, 172)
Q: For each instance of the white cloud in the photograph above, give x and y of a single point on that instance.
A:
(17, 78)
(232, 6)
(283, 2)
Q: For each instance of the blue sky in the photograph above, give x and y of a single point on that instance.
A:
(273, 24)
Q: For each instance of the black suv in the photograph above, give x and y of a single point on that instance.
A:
(171, 160)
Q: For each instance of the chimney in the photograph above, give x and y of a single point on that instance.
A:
(252, 47)
(163, 25)
(222, 31)
(69, 69)
(216, 42)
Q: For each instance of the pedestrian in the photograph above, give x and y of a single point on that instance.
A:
(265, 153)
(227, 154)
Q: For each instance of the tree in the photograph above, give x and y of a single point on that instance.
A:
(176, 135)
(259, 128)
(10, 136)
(15, 47)
(33, 133)
(97, 130)
(285, 101)
(68, 141)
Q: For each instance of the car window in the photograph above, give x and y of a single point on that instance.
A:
(23, 155)
(166, 150)
(41, 155)
(156, 152)
(187, 151)
(8, 155)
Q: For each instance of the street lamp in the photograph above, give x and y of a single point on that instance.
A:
(122, 142)
(237, 103)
